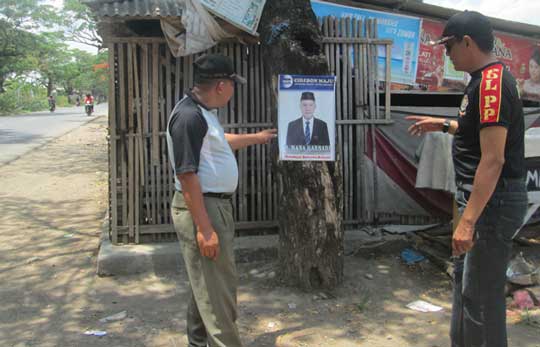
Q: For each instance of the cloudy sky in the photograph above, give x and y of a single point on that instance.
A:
(525, 11)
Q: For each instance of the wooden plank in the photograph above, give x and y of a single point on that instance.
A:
(170, 104)
(343, 72)
(168, 228)
(161, 168)
(373, 67)
(178, 92)
(164, 179)
(339, 111)
(234, 116)
(113, 182)
(139, 156)
(365, 40)
(139, 40)
(366, 195)
(122, 127)
(242, 106)
(145, 93)
(270, 177)
(155, 104)
(326, 45)
(358, 129)
(258, 83)
(350, 115)
(256, 115)
(154, 144)
(130, 145)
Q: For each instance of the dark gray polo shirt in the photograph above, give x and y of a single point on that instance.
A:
(196, 143)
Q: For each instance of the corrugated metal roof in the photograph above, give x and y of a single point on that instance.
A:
(136, 8)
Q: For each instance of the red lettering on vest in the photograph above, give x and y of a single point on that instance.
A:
(490, 94)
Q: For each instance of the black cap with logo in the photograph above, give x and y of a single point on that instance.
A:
(471, 23)
(215, 66)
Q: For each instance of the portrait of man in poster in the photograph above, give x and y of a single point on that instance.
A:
(307, 130)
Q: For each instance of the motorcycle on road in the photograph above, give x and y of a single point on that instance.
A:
(89, 107)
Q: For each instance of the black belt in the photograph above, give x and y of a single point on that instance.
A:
(225, 196)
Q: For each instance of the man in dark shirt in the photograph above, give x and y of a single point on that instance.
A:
(206, 176)
(489, 163)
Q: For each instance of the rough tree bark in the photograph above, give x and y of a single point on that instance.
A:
(310, 216)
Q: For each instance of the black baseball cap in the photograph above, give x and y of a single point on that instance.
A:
(471, 23)
(307, 96)
(215, 66)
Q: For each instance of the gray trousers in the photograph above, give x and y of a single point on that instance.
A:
(479, 305)
(211, 316)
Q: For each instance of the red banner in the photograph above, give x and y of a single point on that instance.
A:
(518, 54)
(436, 73)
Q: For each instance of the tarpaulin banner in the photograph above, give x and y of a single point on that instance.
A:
(403, 30)
(436, 72)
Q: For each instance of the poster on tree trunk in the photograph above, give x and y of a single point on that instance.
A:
(306, 117)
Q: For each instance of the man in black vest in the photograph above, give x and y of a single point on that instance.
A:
(307, 130)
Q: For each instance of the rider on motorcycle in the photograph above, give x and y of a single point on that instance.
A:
(89, 102)
(52, 103)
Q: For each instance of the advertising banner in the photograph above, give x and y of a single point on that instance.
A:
(522, 56)
(403, 30)
(436, 72)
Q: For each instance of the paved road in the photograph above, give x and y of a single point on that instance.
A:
(21, 133)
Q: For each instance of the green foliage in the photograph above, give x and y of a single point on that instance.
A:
(21, 97)
(80, 24)
(35, 60)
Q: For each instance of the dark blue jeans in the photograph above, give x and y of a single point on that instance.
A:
(479, 306)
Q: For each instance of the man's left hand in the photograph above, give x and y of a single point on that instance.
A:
(266, 136)
(462, 240)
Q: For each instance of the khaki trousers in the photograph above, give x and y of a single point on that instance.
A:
(213, 283)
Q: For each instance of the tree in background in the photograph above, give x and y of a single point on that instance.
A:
(34, 53)
(19, 22)
(80, 25)
(16, 46)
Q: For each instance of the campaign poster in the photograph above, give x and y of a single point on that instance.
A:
(306, 117)
(403, 30)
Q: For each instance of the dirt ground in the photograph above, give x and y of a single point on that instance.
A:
(53, 201)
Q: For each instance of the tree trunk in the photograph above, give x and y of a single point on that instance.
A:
(49, 86)
(310, 216)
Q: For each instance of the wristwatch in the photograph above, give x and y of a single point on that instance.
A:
(446, 126)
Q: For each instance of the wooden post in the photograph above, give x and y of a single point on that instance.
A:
(113, 182)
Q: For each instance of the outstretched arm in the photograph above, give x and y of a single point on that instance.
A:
(238, 141)
(424, 124)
